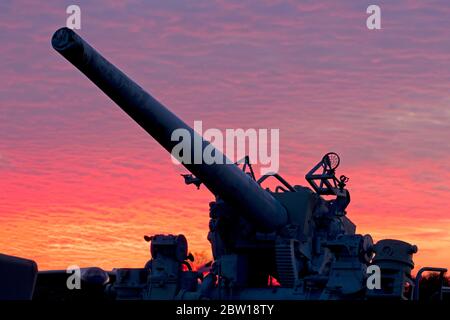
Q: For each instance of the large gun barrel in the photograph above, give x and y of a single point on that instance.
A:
(224, 180)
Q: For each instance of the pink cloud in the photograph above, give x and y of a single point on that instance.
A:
(83, 182)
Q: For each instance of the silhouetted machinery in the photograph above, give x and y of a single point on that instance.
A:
(290, 243)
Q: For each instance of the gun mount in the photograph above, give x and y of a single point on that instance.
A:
(290, 243)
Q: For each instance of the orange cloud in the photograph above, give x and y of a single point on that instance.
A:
(81, 183)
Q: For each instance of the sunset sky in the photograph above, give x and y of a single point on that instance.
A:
(81, 183)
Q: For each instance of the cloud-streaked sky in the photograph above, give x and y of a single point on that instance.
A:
(81, 183)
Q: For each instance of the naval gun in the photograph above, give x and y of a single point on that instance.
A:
(290, 243)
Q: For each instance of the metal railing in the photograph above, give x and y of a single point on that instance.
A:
(442, 288)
